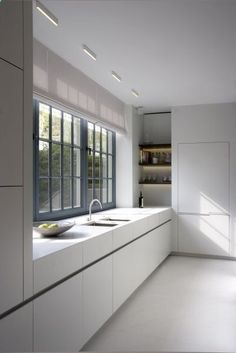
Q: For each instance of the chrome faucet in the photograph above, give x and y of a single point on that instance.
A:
(90, 207)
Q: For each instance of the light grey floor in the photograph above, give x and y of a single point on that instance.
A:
(187, 305)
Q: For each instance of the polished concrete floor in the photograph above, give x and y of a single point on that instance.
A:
(186, 305)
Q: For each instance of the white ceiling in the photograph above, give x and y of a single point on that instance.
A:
(173, 52)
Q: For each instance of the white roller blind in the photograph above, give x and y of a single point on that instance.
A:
(57, 81)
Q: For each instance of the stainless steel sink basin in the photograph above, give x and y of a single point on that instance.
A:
(115, 219)
(100, 224)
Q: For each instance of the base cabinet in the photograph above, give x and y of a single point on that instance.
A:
(58, 318)
(16, 331)
(135, 262)
(123, 279)
(97, 296)
(208, 235)
(11, 248)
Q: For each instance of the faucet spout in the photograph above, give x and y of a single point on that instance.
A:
(91, 205)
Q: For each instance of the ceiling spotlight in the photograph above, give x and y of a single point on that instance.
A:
(116, 76)
(46, 13)
(135, 93)
(89, 52)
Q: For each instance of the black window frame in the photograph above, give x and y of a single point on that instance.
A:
(73, 211)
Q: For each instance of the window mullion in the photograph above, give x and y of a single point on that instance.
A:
(72, 161)
(50, 159)
(62, 164)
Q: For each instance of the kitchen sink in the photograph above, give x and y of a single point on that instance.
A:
(115, 219)
(100, 224)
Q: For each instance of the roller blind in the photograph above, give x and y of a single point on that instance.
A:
(57, 81)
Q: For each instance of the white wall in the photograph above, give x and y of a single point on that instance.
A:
(157, 128)
(127, 154)
(206, 123)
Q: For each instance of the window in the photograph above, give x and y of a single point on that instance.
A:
(74, 163)
(100, 157)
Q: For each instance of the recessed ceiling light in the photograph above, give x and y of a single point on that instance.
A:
(89, 52)
(135, 93)
(46, 13)
(116, 76)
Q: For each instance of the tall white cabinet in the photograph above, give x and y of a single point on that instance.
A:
(204, 174)
(15, 174)
(203, 198)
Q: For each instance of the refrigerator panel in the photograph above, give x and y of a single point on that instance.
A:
(203, 178)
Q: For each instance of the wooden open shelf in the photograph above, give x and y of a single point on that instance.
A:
(155, 165)
(155, 146)
(155, 183)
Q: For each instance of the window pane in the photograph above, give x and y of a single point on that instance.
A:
(97, 138)
(67, 127)
(104, 140)
(109, 166)
(76, 162)
(77, 193)
(67, 161)
(97, 165)
(104, 165)
(43, 158)
(56, 194)
(109, 142)
(44, 204)
(56, 159)
(90, 191)
(109, 190)
(104, 191)
(76, 131)
(97, 189)
(44, 111)
(67, 194)
(56, 125)
(90, 165)
(90, 135)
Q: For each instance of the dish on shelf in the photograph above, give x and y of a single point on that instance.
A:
(52, 228)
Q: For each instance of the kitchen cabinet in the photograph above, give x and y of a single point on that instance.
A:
(11, 118)
(16, 331)
(201, 234)
(11, 249)
(203, 198)
(53, 268)
(58, 318)
(203, 178)
(135, 262)
(11, 31)
(123, 271)
(97, 296)
(96, 247)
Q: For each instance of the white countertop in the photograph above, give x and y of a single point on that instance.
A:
(80, 233)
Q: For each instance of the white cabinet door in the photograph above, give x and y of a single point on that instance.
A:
(203, 178)
(11, 247)
(123, 280)
(135, 262)
(58, 318)
(164, 241)
(97, 296)
(11, 23)
(16, 331)
(11, 122)
(207, 235)
(131, 265)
